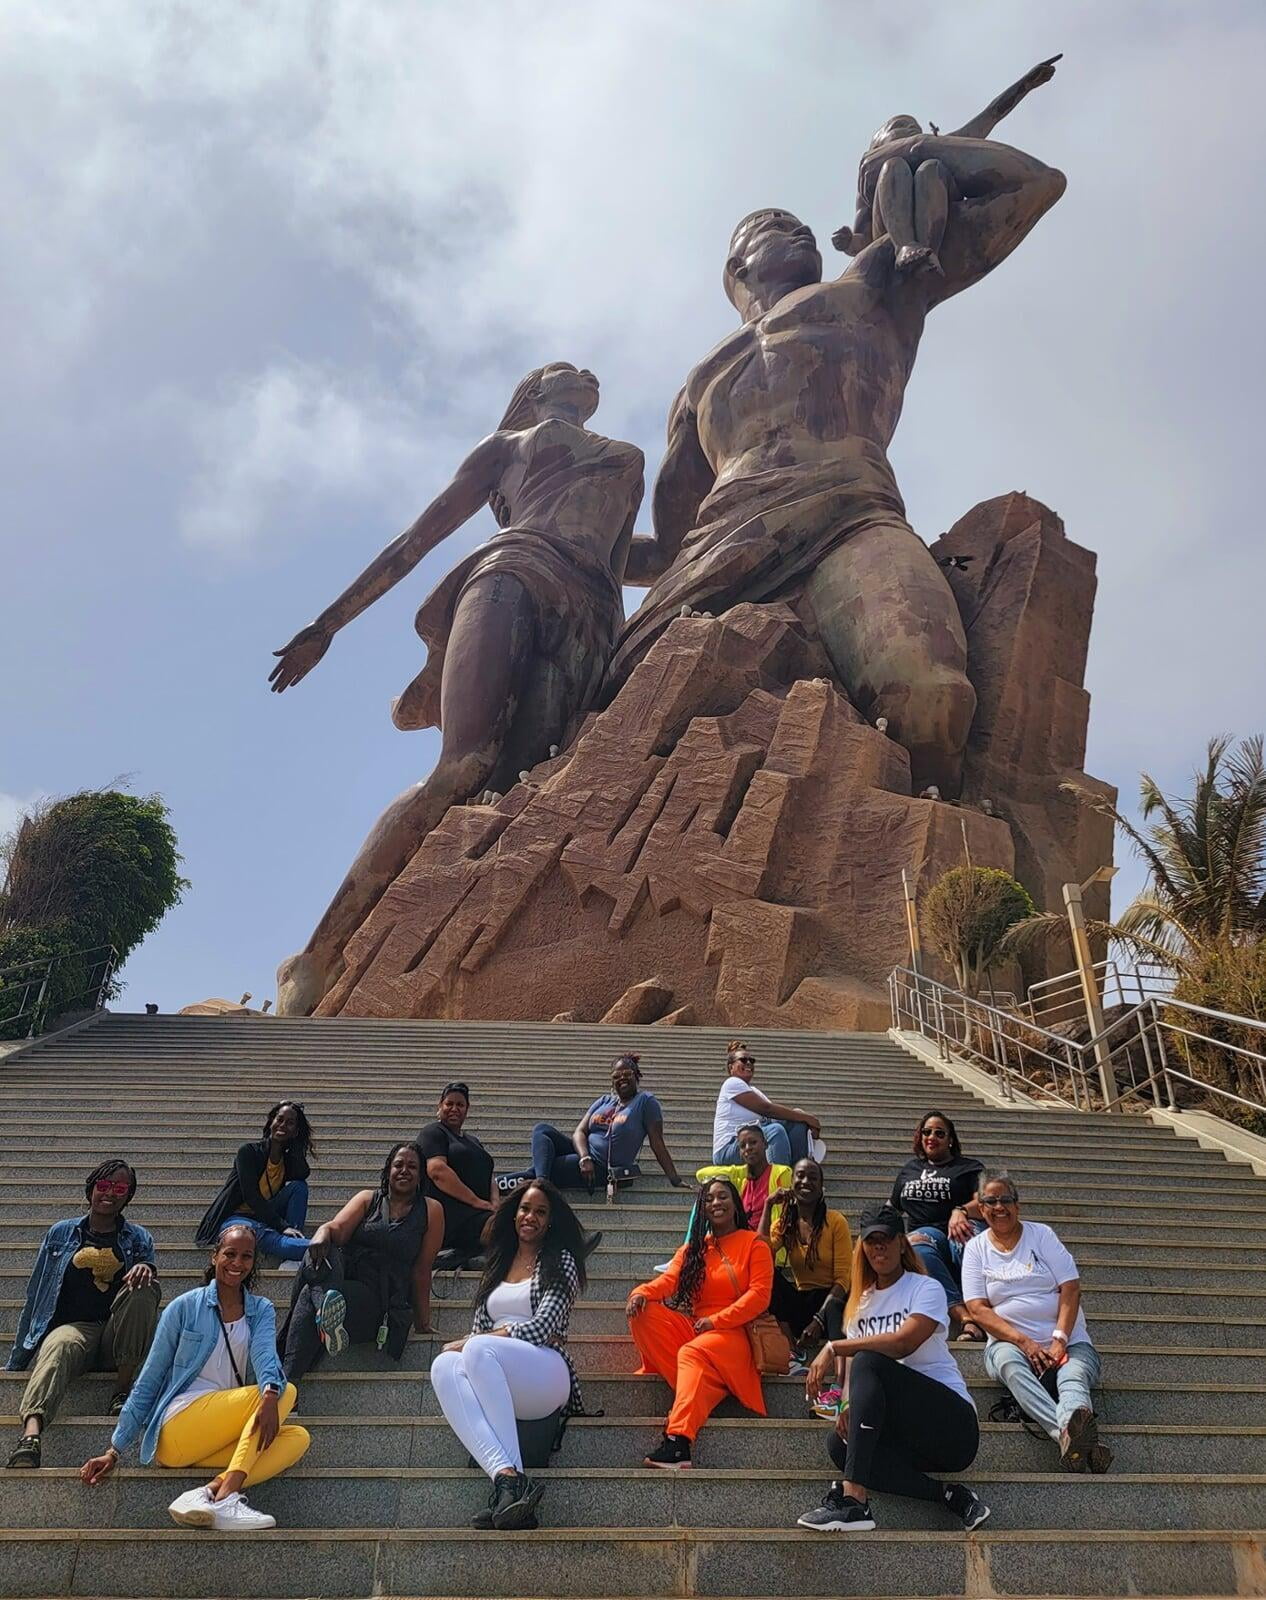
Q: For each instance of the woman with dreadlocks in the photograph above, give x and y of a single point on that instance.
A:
(367, 1274)
(690, 1323)
(267, 1188)
(92, 1302)
(819, 1252)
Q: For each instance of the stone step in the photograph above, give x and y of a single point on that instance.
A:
(443, 1497)
(652, 1562)
(392, 1441)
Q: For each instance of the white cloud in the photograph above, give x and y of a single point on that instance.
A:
(13, 808)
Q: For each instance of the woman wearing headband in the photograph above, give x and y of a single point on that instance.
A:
(458, 1171)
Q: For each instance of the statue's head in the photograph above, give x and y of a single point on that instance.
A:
(556, 390)
(771, 253)
(902, 127)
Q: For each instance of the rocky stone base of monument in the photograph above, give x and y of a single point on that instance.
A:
(724, 842)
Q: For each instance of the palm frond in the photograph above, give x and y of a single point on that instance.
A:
(1244, 844)
(1142, 846)
(1034, 935)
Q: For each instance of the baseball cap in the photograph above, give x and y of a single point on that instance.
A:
(882, 1219)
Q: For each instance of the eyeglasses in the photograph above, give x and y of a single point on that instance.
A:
(999, 1200)
(935, 1133)
(111, 1186)
(743, 1061)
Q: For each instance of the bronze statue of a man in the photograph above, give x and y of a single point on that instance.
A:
(776, 482)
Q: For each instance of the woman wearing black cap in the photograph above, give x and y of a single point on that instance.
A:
(458, 1170)
(908, 1408)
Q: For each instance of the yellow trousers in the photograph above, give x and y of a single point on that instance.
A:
(215, 1431)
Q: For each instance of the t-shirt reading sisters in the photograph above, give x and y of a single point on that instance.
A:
(884, 1310)
(1022, 1284)
(926, 1192)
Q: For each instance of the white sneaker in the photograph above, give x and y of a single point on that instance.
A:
(233, 1515)
(289, 1268)
(194, 1508)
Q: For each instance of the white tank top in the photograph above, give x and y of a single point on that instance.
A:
(510, 1303)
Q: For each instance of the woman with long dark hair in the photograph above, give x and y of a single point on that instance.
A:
(267, 1187)
(513, 1365)
(367, 1274)
(690, 1323)
(819, 1253)
(936, 1193)
(909, 1412)
(194, 1405)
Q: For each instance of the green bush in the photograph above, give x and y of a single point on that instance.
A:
(965, 915)
(21, 1008)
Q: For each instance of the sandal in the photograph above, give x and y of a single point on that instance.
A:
(977, 1335)
(26, 1453)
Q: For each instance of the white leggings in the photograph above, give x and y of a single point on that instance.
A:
(489, 1383)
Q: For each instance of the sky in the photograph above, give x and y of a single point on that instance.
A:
(270, 270)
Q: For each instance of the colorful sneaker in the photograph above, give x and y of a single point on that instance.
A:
(966, 1504)
(26, 1453)
(233, 1515)
(828, 1403)
(193, 1509)
(838, 1513)
(329, 1321)
(672, 1452)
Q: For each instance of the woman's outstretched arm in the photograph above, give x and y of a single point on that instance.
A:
(475, 479)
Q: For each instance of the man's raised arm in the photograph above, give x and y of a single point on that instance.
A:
(683, 481)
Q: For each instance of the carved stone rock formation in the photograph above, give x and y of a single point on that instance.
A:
(729, 821)
(1026, 594)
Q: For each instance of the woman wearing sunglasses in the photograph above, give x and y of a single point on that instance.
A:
(1022, 1287)
(92, 1303)
(936, 1193)
(267, 1188)
(787, 1129)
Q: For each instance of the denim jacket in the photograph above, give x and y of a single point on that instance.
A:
(187, 1333)
(59, 1246)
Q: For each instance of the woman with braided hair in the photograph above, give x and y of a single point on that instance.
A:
(367, 1273)
(809, 1299)
(690, 1323)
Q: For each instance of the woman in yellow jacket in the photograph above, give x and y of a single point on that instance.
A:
(690, 1323)
(808, 1297)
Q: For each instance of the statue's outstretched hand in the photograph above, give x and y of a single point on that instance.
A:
(299, 657)
(1042, 73)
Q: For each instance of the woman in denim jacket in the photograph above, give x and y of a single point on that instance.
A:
(192, 1405)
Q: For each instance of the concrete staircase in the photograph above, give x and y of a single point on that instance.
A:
(1170, 1241)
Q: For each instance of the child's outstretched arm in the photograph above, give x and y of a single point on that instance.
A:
(983, 124)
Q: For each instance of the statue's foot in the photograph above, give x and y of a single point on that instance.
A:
(912, 258)
(302, 983)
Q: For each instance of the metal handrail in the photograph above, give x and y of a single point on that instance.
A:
(1014, 1048)
(102, 959)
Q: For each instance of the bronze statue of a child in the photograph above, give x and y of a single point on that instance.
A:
(907, 197)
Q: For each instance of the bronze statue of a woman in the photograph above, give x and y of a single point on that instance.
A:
(518, 635)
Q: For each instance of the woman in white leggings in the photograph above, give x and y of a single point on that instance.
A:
(513, 1366)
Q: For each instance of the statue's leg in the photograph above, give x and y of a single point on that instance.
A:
(895, 209)
(488, 656)
(891, 627)
(933, 188)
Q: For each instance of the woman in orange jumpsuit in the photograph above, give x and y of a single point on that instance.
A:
(690, 1323)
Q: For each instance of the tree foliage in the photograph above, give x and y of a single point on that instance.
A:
(966, 914)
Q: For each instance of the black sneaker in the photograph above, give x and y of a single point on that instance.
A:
(117, 1401)
(483, 1519)
(838, 1513)
(518, 1500)
(26, 1453)
(966, 1504)
(672, 1451)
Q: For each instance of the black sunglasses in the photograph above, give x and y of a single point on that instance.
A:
(935, 1133)
(744, 1061)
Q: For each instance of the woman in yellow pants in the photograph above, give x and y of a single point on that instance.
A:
(192, 1406)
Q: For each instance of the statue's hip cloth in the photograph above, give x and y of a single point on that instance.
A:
(761, 536)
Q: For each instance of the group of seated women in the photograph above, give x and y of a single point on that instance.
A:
(213, 1386)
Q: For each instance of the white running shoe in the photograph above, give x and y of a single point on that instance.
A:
(329, 1321)
(233, 1515)
(194, 1508)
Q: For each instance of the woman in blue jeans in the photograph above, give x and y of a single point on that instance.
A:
(267, 1186)
(936, 1193)
(1022, 1286)
(787, 1129)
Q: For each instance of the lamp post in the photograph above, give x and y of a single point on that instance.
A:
(1090, 984)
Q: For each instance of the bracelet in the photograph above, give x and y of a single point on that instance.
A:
(1060, 1335)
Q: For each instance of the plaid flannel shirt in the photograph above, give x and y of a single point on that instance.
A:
(547, 1326)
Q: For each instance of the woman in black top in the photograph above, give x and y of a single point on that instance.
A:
(368, 1271)
(267, 1187)
(936, 1192)
(458, 1171)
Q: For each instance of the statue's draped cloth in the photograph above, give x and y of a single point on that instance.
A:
(761, 536)
(549, 549)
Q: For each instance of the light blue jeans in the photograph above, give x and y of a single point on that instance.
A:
(785, 1144)
(291, 1201)
(942, 1258)
(1074, 1380)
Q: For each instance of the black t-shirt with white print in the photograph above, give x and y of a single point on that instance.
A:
(926, 1193)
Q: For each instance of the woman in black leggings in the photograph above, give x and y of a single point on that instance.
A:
(908, 1408)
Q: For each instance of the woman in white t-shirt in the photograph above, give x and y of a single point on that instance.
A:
(739, 1104)
(908, 1408)
(1022, 1287)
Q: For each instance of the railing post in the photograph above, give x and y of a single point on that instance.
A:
(1164, 1055)
(1090, 993)
(39, 999)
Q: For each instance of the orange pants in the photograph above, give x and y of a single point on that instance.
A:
(700, 1368)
